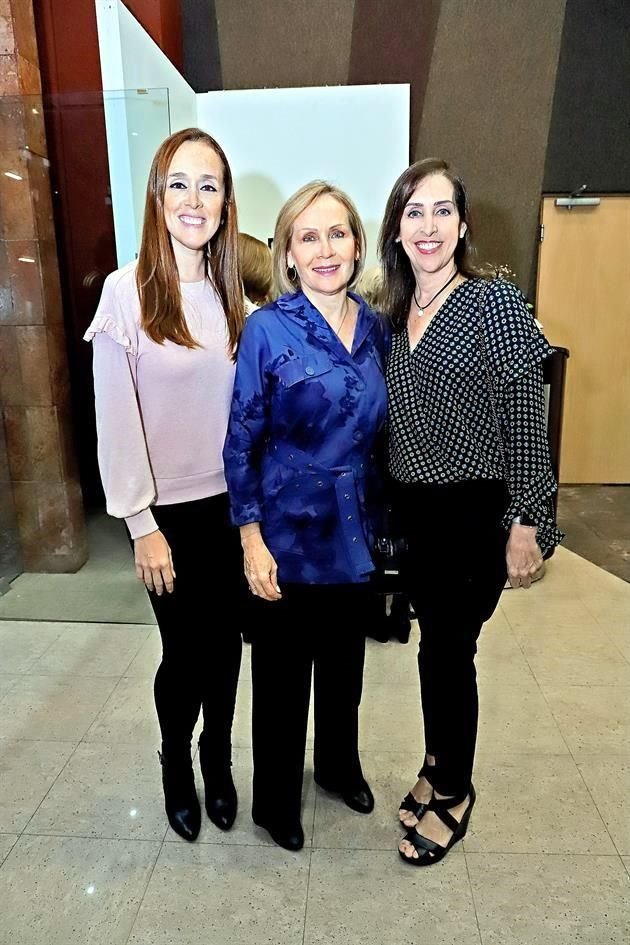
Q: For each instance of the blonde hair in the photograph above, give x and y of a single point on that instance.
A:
(289, 213)
(370, 286)
(254, 260)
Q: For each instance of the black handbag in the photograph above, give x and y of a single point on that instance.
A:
(389, 552)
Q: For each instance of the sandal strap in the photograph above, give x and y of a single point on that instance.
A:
(421, 844)
(440, 807)
(409, 803)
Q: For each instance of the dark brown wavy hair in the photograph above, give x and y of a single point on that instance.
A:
(157, 276)
(398, 278)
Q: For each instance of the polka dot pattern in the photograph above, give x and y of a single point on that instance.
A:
(441, 423)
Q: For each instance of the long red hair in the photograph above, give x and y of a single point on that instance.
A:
(157, 277)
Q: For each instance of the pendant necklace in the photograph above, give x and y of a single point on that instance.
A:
(422, 308)
(343, 318)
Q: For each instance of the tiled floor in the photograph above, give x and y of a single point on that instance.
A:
(87, 858)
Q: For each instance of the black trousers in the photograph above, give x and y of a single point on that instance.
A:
(201, 651)
(454, 571)
(317, 629)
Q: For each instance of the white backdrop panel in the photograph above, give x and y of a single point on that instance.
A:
(278, 139)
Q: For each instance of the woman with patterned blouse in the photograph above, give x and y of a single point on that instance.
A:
(472, 478)
(309, 400)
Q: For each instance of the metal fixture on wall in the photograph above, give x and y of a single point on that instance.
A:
(576, 199)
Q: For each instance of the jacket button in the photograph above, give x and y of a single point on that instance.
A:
(348, 518)
(355, 538)
(310, 371)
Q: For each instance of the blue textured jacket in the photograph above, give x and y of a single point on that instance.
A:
(299, 448)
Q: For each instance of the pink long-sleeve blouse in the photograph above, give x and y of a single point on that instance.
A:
(161, 410)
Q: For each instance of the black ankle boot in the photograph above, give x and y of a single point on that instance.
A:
(289, 836)
(180, 797)
(220, 794)
(358, 797)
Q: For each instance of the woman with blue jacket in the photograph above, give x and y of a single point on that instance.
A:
(309, 401)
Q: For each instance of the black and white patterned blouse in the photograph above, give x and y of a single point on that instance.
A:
(441, 425)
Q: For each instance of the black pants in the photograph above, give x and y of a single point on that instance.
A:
(454, 571)
(320, 627)
(201, 651)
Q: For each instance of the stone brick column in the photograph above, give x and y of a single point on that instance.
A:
(34, 386)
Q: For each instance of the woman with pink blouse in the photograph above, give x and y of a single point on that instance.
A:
(164, 336)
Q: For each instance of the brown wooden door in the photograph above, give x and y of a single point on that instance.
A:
(583, 301)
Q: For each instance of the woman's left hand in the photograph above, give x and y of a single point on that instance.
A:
(523, 555)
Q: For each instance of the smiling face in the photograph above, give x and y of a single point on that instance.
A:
(194, 197)
(322, 247)
(430, 226)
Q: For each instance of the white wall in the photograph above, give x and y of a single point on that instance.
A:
(145, 99)
(278, 139)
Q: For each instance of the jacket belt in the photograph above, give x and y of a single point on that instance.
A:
(344, 479)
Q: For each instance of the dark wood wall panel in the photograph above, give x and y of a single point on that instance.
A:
(487, 109)
(393, 42)
(202, 53)
(282, 44)
(589, 139)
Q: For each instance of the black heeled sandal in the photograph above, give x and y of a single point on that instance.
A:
(409, 803)
(428, 851)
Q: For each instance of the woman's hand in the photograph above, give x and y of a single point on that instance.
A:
(154, 562)
(523, 555)
(261, 569)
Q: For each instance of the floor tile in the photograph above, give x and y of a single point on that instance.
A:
(388, 716)
(523, 806)
(608, 780)
(7, 842)
(392, 663)
(7, 683)
(499, 656)
(517, 720)
(128, 717)
(71, 891)
(542, 611)
(509, 668)
(359, 898)
(53, 708)
(27, 771)
(146, 661)
(111, 598)
(578, 658)
(110, 791)
(550, 900)
(619, 636)
(609, 610)
(92, 650)
(592, 718)
(218, 895)
(22, 642)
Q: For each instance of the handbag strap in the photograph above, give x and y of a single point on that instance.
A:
(490, 382)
